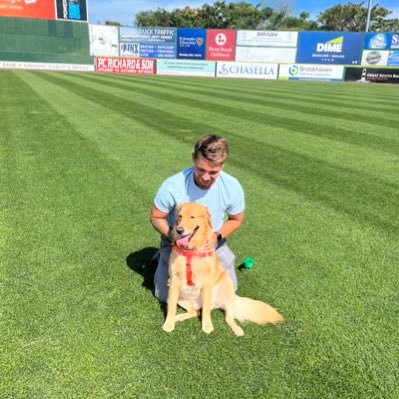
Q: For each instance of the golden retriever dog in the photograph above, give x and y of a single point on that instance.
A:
(197, 280)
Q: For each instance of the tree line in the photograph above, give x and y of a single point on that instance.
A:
(222, 15)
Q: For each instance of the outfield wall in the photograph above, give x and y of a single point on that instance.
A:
(221, 53)
(44, 41)
(56, 44)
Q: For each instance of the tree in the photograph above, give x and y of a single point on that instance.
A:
(352, 17)
(301, 23)
(220, 15)
(159, 17)
(112, 23)
(244, 15)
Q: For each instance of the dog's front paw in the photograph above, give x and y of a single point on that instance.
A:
(238, 331)
(207, 327)
(168, 326)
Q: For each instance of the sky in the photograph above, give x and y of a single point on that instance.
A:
(124, 11)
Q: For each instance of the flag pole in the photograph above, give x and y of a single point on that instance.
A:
(368, 16)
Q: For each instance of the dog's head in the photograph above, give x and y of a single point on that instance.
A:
(193, 226)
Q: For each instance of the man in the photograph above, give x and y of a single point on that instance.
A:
(207, 184)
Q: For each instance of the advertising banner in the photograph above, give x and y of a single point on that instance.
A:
(129, 50)
(329, 48)
(125, 65)
(380, 58)
(246, 70)
(147, 50)
(147, 42)
(148, 35)
(72, 10)
(46, 66)
(381, 41)
(104, 40)
(265, 38)
(186, 68)
(374, 57)
(220, 44)
(331, 73)
(393, 58)
(265, 54)
(375, 75)
(43, 9)
(191, 44)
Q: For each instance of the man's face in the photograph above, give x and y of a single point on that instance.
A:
(205, 172)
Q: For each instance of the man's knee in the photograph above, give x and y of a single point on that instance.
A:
(161, 276)
(227, 260)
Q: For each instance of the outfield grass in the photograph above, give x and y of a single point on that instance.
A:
(81, 157)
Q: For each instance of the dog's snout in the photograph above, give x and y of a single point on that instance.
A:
(180, 230)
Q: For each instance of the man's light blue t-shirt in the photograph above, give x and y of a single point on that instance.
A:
(226, 196)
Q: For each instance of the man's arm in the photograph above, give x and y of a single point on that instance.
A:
(232, 223)
(158, 220)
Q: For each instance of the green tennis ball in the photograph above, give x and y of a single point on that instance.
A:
(249, 262)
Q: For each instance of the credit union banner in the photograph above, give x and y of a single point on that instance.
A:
(42, 9)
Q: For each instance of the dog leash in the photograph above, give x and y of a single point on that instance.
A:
(189, 255)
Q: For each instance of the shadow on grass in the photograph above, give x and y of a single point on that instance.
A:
(144, 262)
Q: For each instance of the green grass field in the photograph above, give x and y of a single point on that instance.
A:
(81, 158)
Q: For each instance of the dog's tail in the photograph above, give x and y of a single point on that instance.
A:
(246, 309)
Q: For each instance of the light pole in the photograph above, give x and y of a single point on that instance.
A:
(368, 16)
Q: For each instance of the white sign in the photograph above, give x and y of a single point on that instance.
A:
(130, 50)
(246, 70)
(375, 57)
(43, 66)
(311, 72)
(104, 40)
(264, 54)
(266, 38)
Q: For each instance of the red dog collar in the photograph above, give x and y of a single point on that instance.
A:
(189, 255)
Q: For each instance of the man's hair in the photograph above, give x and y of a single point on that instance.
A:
(213, 148)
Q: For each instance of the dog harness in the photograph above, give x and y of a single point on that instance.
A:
(189, 255)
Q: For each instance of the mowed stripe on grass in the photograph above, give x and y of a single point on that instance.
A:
(81, 158)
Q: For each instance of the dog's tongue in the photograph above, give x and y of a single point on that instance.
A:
(183, 242)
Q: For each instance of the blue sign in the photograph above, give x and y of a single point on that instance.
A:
(381, 41)
(157, 51)
(149, 42)
(191, 44)
(342, 48)
(148, 35)
(393, 58)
